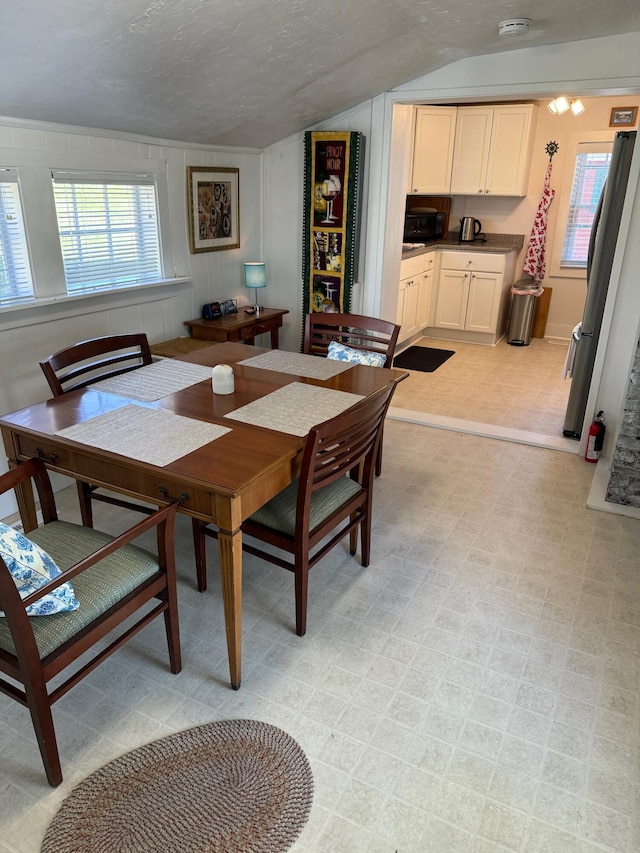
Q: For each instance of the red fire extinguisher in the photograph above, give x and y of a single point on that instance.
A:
(596, 438)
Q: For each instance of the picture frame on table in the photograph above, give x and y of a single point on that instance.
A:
(213, 200)
(623, 117)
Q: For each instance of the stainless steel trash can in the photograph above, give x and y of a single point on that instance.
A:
(523, 304)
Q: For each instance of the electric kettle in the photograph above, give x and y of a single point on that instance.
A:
(469, 229)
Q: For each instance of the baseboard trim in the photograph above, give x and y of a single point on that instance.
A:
(536, 439)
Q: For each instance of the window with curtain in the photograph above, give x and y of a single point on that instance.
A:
(590, 172)
(15, 270)
(108, 229)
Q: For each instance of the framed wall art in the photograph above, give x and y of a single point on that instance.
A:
(333, 162)
(623, 117)
(213, 199)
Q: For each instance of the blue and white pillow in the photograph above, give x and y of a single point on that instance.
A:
(31, 567)
(340, 352)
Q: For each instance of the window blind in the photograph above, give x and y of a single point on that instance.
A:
(591, 169)
(15, 270)
(108, 229)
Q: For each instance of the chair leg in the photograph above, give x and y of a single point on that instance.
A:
(200, 549)
(40, 710)
(353, 538)
(172, 630)
(302, 593)
(365, 537)
(84, 496)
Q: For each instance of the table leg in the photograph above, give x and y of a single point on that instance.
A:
(230, 555)
(274, 338)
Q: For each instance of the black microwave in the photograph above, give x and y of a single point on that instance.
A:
(423, 227)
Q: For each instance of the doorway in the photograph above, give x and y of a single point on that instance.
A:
(461, 390)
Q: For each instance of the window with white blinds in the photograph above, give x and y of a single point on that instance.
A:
(590, 172)
(15, 270)
(108, 229)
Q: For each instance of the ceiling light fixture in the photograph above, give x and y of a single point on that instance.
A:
(514, 27)
(560, 105)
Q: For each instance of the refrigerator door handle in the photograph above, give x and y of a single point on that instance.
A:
(594, 232)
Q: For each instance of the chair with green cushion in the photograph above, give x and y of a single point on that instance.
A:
(332, 495)
(103, 582)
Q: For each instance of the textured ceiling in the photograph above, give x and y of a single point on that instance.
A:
(251, 72)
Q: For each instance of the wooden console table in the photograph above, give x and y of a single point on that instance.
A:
(239, 328)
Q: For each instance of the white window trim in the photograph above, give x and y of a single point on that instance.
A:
(41, 222)
(39, 302)
(563, 199)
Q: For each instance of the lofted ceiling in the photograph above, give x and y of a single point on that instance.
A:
(252, 72)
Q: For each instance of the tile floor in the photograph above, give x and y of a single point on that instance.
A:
(508, 386)
(475, 689)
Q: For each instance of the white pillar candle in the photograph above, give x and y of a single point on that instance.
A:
(222, 379)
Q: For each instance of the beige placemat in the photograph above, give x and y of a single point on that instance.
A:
(155, 381)
(297, 363)
(295, 408)
(148, 435)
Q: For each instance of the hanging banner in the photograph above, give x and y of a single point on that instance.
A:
(333, 161)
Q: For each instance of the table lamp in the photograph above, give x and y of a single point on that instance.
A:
(255, 275)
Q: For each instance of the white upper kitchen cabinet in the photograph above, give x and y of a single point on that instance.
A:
(433, 143)
(492, 151)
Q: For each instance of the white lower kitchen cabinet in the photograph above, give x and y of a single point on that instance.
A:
(414, 295)
(452, 298)
(473, 296)
(408, 320)
(424, 297)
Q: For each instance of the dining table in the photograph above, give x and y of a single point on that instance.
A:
(160, 434)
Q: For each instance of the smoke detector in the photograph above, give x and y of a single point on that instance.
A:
(514, 27)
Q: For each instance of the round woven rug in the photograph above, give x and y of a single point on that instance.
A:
(232, 785)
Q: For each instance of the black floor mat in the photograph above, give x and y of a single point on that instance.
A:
(426, 359)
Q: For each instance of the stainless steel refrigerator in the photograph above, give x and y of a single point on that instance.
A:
(602, 246)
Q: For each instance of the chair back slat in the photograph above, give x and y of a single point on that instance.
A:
(368, 334)
(93, 360)
(340, 445)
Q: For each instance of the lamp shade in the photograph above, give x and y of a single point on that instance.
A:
(255, 274)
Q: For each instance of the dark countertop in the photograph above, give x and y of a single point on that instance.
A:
(499, 243)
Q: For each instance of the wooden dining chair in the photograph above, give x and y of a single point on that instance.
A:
(111, 581)
(368, 336)
(364, 334)
(331, 497)
(82, 364)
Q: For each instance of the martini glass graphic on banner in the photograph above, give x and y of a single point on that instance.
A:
(330, 190)
(328, 305)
